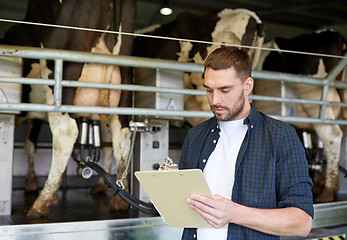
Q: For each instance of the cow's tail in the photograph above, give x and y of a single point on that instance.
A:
(260, 39)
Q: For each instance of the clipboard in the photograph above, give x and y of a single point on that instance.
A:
(169, 191)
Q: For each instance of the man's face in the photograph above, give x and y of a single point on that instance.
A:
(227, 94)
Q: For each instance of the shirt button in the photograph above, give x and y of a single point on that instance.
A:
(251, 126)
(214, 141)
(194, 236)
(204, 160)
(217, 126)
(212, 130)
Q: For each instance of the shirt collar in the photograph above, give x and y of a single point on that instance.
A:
(252, 118)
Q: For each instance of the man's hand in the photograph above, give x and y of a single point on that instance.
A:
(219, 211)
(216, 211)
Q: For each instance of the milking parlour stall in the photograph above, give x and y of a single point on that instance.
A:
(95, 92)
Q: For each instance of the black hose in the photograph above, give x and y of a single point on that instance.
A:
(136, 203)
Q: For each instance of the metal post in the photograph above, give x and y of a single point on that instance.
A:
(6, 162)
(58, 77)
(332, 75)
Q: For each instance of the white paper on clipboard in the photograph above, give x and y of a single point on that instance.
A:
(169, 191)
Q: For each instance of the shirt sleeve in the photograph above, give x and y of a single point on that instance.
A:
(294, 188)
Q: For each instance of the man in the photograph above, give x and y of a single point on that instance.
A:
(255, 165)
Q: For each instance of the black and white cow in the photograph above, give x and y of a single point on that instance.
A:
(94, 14)
(230, 26)
(324, 42)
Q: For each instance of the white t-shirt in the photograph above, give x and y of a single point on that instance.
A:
(220, 169)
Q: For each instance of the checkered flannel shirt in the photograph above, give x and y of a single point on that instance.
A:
(271, 168)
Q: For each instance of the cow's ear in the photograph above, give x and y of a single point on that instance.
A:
(249, 83)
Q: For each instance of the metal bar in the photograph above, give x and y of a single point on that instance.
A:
(153, 228)
(140, 62)
(142, 111)
(330, 214)
(326, 215)
(58, 77)
(294, 100)
(31, 81)
(103, 110)
(6, 149)
(287, 77)
(332, 75)
(131, 87)
(77, 56)
(339, 84)
(127, 87)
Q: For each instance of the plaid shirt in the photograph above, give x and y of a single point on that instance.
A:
(271, 168)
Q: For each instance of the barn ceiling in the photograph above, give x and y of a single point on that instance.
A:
(284, 18)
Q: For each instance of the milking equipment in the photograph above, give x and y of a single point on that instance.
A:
(87, 160)
(89, 136)
(315, 156)
(9, 93)
(150, 138)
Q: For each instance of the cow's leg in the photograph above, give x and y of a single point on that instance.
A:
(64, 133)
(121, 149)
(331, 136)
(30, 149)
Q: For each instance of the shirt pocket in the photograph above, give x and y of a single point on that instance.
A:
(259, 189)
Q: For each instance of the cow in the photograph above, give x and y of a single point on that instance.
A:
(324, 42)
(94, 14)
(229, 26)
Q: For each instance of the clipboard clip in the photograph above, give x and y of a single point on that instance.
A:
(168, 165)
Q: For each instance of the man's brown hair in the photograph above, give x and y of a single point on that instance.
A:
(227, 57)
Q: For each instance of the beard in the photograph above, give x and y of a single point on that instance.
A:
(231, 114)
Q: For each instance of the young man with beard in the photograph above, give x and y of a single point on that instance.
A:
(255, 165)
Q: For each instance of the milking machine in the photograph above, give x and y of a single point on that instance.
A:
(149, 143)
(88, 156)
(315, 158)
(89, 136)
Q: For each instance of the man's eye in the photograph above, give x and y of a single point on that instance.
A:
(225, 90)
(209, 90)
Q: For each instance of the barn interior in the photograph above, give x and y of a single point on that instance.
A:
(284, 18)
(80, 214)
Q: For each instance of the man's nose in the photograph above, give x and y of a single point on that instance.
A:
(216, 99)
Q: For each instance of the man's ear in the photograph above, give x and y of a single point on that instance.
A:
(249, 84)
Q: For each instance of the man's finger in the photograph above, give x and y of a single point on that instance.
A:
(203, 199)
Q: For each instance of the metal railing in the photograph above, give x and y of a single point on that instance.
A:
(61, 56)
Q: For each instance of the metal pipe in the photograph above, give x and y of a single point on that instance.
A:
(142, 111)
(126, 87)
(102, 110)
(131, 87)
(31, 81)
(332, 75)
(294, 100)
(140, 62)
(74, 56)
(77, 56)
(58, 77)
(287, 77)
